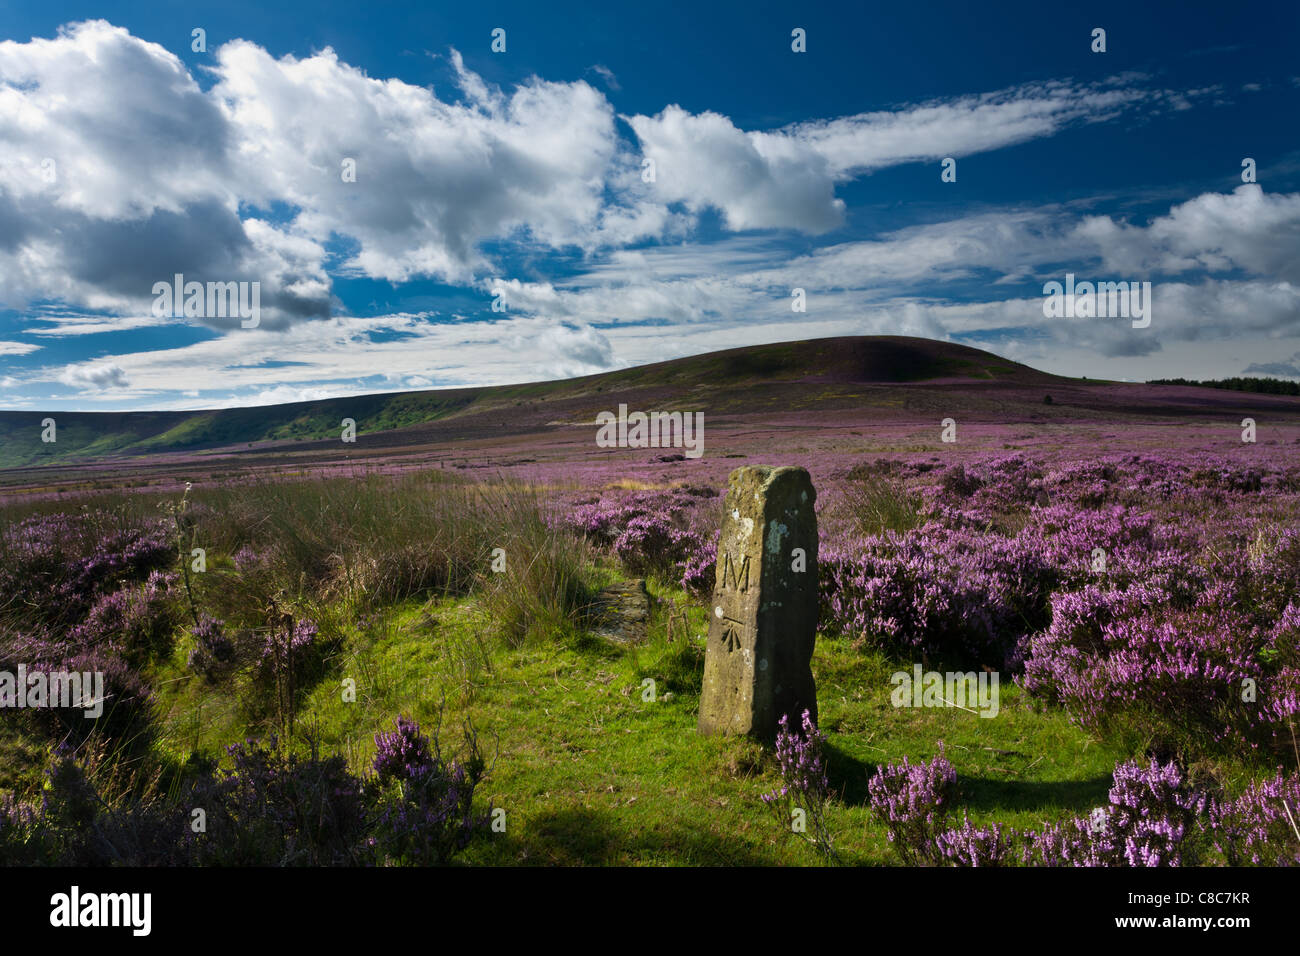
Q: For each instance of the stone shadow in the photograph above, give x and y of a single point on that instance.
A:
(1077, 796)
(849, 775)
(586, 837)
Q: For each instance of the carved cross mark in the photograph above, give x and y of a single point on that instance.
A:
(732, 631)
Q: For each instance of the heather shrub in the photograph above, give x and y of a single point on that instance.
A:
(878, 468)
(651, 544)
(85, 816)
(804, 793)
(913, 802)
(699, 570)
(249, 560)
(901, 470)
(213, 652)
(662, 533)
(54, 567)
(1126, 661)
(276, 808)
(23, 839)
(87, 592)
(1085, 484)
(136, 622)
(426, 812)
(402, 754)
(1071, 843)
(289, 647)
(1152, 812)
(288, 657)
(1227, 476)
(1130, 540)
(1152, 819)
(1270, 568)
(1262, 825)
(969, 845)
(1287, 481)
(127, 717)
(604, 519)
(126, 710)
(957, 483)
(1010, 483)
(45, 833)
(947, 593)
(271, 807)
(991, 490)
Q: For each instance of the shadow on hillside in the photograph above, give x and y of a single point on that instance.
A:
(585, 837)
(849, 775)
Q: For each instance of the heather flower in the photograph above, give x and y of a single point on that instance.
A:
(135, 622)
(288, 647)
(938, 590)
(651, 532)
(913, 802)
(1259, 826)
(430, 817)
(1150, 819)
(1128, 658)
(969, 845)
(652, 543)
(1152, 812)
(212, 647)
(126, 705)
(699, 570)
(402, 754)
(277, 808)
(805, 784)
(57, 566)
(248, 559)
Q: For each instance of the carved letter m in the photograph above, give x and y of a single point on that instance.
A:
(729, 576)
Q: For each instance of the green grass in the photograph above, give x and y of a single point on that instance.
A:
(589, 772)
(878, 503)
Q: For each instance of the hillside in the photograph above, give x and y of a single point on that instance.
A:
(713, 381)
(869, 379)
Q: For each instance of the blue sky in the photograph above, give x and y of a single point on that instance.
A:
(519, 177)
